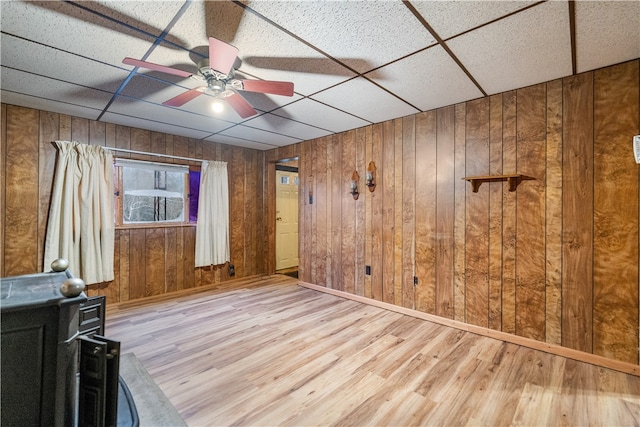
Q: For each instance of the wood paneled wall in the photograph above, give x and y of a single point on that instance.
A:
(556, 260)
(148, 261)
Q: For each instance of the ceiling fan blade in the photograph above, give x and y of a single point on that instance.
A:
(265, 86)
(184, 97)
(221, 55)
(156, 67)
(242, 107)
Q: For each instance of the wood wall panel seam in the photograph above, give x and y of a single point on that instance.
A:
(577, 255)
(553, 206)
(3, 188)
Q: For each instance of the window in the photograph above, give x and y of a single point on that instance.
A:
(155, 193)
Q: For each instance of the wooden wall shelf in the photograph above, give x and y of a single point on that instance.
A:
(513, 180)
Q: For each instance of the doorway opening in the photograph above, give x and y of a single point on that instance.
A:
(287, 184)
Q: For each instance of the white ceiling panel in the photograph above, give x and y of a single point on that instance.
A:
(606, 33)
(42, 87)
(450, 18)
(364, 99)
(31, 57)
(159, 113)
(319, 115)
(363, 35)
(43, 104)
(264, 102)
(154, 89)
(259, 135)
(153, 125)
(527, 48)
(281, 125)
(70, 28)
(428, 80)
(239, 142)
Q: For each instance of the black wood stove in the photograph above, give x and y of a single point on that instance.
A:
(57, 369)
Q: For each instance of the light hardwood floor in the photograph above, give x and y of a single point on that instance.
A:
(269, 352)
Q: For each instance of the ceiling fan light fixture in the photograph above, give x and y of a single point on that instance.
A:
(217, 106)
(217, 73)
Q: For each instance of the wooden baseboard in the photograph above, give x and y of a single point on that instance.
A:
(581, 356)
(221, 286)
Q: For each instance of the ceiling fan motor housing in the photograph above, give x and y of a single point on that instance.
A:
(216, 81)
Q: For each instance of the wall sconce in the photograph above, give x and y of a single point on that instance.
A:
(354, 185)
(370, 177)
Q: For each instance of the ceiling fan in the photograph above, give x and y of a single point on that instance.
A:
(218, 73)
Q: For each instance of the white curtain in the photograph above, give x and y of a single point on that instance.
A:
(212, 230)
(81, 215)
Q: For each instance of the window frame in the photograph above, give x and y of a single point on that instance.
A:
(119, 196)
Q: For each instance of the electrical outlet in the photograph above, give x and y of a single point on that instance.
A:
(367, 270)
(232, 270)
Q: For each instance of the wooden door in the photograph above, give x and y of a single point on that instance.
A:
(286, 219)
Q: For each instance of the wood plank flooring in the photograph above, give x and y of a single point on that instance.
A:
(269, 352)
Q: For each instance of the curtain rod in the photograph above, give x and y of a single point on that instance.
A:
(145, 153)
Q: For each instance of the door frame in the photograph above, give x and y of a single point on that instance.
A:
(270, 217)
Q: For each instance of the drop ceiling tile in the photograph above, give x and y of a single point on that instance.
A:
(43, 87)
(152, 125)
(224, 139)
(44, 104)
(284, 126)
(607, 32)
(429, 79)
(157, 90)
(172, 116)
(364, 99)
(363, 35)
(264, 102)
(319, 115)
(258, 135)
(65, 26)
(526, 48)
(449, 18)
(29, 57)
